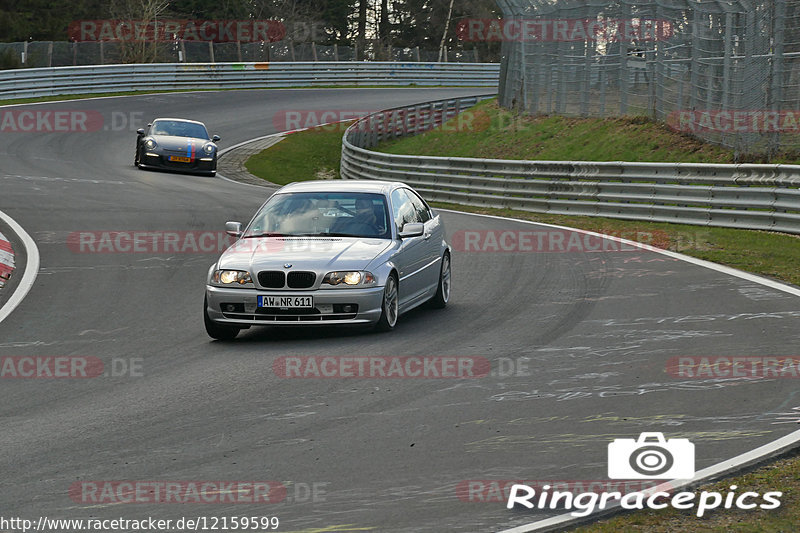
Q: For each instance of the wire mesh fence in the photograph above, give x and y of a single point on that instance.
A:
(63, 53)
(727, 71)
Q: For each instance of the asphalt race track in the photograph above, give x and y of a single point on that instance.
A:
(579, 341)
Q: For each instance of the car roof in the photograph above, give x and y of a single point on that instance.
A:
(373, 186)
(179, 120)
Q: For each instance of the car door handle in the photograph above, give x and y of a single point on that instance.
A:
(426, 236)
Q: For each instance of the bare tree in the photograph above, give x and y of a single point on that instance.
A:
(141, 48)
(446, 27)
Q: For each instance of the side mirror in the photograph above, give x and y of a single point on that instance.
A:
(140, 131)
(412, 229)
(234, 229)
(216, 138)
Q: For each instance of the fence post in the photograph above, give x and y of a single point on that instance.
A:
(416, 53)
(660, 78)
(694, 75)
(239, 50)
(211, 51)
(102, 53)
(587, 82)
(776, 95)
(335, 52)
(182, 57)
(624, 76)
(25, 52)
(50, 54)
(75, 53)
(314, 50)
(726, 66)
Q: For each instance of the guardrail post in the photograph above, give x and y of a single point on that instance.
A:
(314, 50)
(211, 52)
(102, 53)
(50, 54)
(239, 50)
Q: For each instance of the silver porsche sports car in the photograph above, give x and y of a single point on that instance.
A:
(177, 144)
(330, 252)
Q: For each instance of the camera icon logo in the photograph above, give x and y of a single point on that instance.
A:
(650, 457)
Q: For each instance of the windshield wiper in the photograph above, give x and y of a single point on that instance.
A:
(326, 235)
(267, 234)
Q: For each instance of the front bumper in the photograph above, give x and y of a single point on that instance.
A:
(199, 164)
(239, 306)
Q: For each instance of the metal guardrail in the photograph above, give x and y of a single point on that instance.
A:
(762, 197)
(25, 83)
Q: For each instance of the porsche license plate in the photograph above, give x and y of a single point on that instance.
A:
(180, 159)
(286, 302)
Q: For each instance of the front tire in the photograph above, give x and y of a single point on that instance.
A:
(221, 332)
(442, 296)
(390, 306)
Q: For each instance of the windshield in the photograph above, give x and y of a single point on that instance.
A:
(179, 128)
(347, 214)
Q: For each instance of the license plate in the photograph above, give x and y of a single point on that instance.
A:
(180, 159)
(286, 302)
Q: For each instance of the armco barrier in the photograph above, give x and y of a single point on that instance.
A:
(763, 197)
(26, 83)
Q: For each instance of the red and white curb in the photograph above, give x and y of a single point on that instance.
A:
(6, 260)
(30, 271)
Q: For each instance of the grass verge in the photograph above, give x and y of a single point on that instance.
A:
(307, 155)
(488, 131)
(772, 255)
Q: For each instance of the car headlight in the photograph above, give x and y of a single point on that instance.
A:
(350, 278)
(230, 277)
(209, 148)
(149, 144)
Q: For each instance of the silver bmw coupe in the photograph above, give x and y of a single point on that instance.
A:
(330, 252)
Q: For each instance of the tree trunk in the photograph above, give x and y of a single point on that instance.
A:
(446, 27)
(362, 29)
(383, 29)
